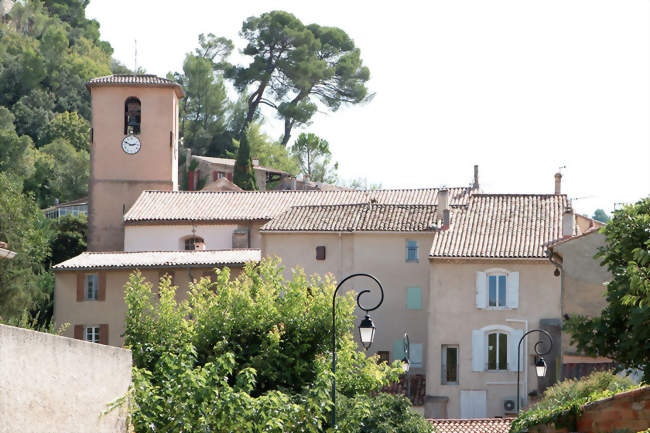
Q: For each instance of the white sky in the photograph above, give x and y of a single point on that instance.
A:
(518, 87)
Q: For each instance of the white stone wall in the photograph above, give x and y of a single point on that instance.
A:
(56, 384)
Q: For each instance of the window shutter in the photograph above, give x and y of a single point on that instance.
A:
(513, 342)
(81, 286)
(416, 355)
(478, 347)
(103, 334)
(513, 289)
(398, 349)
(101, 291)
(413, 298)
(79, 332)
(481, 290)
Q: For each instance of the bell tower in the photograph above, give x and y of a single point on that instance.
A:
(133, 147)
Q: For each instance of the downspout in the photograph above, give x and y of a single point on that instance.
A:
(525, 322)
(189, 274)
(340, 254)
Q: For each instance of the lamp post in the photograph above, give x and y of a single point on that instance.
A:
(366, 329)
(540, 364)
(406, 363)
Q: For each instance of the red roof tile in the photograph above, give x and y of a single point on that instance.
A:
(476, 425)
(135, 80)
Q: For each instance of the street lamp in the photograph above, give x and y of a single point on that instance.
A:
(406, 363)
(366, 329)
(540, 364)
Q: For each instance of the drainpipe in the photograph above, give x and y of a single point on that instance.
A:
(340, 253)
(189, 274)
(525, 322)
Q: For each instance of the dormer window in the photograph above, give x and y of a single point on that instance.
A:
(132, 116)
(194, 243)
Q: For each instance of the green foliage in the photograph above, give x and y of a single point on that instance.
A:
(34, 112)
(252, 354)
(72, 128)
(70, 238)
(625, 321)
(69, 178)
(243, 175)
(268, 152)
(601, 215)
(314, 157)
(563, 402)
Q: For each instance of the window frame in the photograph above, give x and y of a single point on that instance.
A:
(187, 239)
(136, 130)
(416, 257)
(496, 274)
(95, 294)
(497, 333)
(444, 370)
(321, 253)
(94, 333)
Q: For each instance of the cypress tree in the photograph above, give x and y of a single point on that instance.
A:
(244, 177)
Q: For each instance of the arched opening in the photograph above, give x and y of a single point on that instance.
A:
(132, 116)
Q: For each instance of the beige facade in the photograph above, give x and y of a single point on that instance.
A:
(457, 319)
(116, 177)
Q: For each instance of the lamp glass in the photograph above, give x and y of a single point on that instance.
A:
(367, 332)
(406, 365)
(540, 367)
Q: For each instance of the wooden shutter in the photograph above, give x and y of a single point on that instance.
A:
(478, 349)
(103, 334)
(81, 286)
(513, 289)
(513, 342)
(229, 176)
(320, 252)
(79, 332)
(101, 291)
(481, 290)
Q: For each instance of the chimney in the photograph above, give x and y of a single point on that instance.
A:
(475, 186)
(558, 183)
(443, 206)
(568, 223)
(293, 183)
(445, 218)
(306, 178)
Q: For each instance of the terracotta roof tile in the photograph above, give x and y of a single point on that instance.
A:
(502, 226)
(355, 217)
(159, 259)
(136, 80)
(476, 425)
(168, 206)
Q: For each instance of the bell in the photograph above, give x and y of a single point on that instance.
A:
(133, 121)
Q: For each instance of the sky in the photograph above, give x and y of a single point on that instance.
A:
(520, 88)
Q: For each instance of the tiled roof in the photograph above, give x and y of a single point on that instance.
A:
(168, 206)
(231, 163)
(139, 80)
(159, 259)
(355, 217)
(502, 226)
(476, 425)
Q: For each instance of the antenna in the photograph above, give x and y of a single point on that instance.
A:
(135, 57)
(559, 169)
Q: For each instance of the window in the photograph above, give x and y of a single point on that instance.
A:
(497, 351)
(91, 287)
(497, 290)
(91, 333)
(194, 243)
(384, 356)
(413, 298)
(449, 364)
(320, 252)
(411, 251)
(132, 116)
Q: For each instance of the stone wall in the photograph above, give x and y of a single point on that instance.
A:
(57, 384)
(628, 410)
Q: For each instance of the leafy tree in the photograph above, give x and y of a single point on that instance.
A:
(72, 128)
(314, 157)
(251, 354)
(623, 328)
(33, 114)
(70, 238)
(601, 215)
(243, 175)
(361, 183)
(292, 63)
(69, 179)
(16, 153)
(22, 226)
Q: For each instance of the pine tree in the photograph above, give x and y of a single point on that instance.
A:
(244, 176)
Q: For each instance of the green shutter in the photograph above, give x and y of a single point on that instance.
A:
(398, 349)
(414, 298)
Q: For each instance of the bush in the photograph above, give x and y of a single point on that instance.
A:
(563, 402)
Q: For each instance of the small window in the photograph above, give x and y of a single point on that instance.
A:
(91, 333)
(384, 356)
(320, 253)
(91, 287)
(411, 251)
(497, 290)
(497, 349)
(449, 364)
(132, 116)
(413, 298)
(194, 243)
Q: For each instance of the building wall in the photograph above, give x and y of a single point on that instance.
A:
(112, 311)
(116, 178)
(172, 237)
(55, 384)
(454, 315)
(382, 255)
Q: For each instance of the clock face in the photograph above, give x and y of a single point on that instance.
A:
(131, 144)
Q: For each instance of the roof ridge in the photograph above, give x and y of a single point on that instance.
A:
(365, 203)
(309, 191)
(514, 194)
(168, 251)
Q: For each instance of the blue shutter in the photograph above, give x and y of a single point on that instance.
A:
(414, 298)
(398, 349)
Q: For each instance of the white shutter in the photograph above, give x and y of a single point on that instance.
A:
(513, 289)
(478, 349)
(513, 342)
(481, 290)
